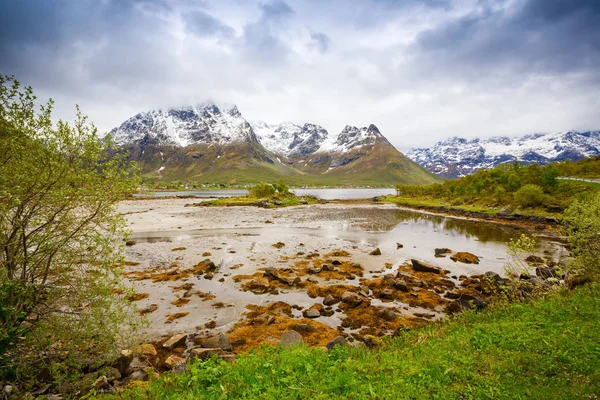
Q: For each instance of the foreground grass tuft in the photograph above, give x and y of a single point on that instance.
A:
(545, 349)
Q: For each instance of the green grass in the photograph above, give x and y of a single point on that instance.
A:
(248, 200)
(545, 349)
(476, 207)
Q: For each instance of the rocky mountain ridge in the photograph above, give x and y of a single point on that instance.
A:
(457, 157)
(211, 141)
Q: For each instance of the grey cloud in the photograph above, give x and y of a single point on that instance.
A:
(320, 41)
(276, 9)
(203, 24)
(261, 37)
(539, 36)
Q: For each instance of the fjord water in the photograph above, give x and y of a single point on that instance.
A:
(384, 227)
(325, 194)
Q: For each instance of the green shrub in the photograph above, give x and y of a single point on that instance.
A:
(529, 196)
(262, 190)
(582, 226)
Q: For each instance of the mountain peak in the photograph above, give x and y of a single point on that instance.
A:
(459, 156)
(182, 126)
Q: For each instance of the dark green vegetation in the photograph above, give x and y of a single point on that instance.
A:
(379, 164)
(526, 190)
(59, 240)
(264, 195)
(543, 349)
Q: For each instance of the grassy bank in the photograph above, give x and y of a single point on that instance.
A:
(545, 349)
(266, 202)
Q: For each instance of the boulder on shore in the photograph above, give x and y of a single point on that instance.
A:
(420, 266)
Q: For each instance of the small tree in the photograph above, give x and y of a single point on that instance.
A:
(262, 190)
(529, 196)
(60, 237)
(582, 225)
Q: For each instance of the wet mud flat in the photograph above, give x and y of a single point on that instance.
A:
(357, 271)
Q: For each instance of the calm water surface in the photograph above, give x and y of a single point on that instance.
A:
(325, 194)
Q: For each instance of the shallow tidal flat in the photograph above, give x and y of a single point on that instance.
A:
(256, 273)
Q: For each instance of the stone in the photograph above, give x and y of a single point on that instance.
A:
(209, 276)
(336, 262)
(532, 259)
(130, 243)
(505, 211)
(467, 300)
(303, 328)
(494, 277)
(386, 294)
(291, 338)
(314, 270)
(376, 252)
(365, 289)
(328, 267)
(420, 266)
(400, 285)
(442, 251)
(7, 391)
(399, 246)
(175, 341)
(351, 298)
(173, 361)
(228, 357)
(330, 300)
(147, 349)
(111, 373)
(123, 361)
(258, 285)
(139, 376)
(101, 383)
(465, 257)
(311, 313)
(389, 315)
(339, 340)
(205, 353)
(218, 341)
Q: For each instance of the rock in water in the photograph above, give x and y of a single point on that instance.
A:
(351, 298)
(465, 257)
(291, 338)
(420, 266)
(376, 252)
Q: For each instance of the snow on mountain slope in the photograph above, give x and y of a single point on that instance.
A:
(352, 137)
(289, 139)
(458, 157)
(206, 123)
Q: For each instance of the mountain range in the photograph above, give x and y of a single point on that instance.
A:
(457, 157)
(212, 143)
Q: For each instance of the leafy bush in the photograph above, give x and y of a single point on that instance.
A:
(281, 187)
(529, 196)
(582, 225)
(262, 190)
(59, 238)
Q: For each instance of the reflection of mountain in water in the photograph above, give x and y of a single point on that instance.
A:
(381, 220)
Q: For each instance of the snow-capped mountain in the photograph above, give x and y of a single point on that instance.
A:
(215, 142)
(458, 157)
(205, 123)
(289, 139)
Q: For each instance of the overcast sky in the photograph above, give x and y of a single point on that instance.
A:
(421, 70)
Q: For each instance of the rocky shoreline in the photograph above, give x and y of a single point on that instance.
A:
(219, 281)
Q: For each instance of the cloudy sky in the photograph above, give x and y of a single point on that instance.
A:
(421, 70)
